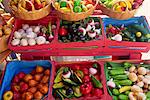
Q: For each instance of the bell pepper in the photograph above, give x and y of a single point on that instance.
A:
(86, 88)
(63, 31)
(86, 79)
(97, 92)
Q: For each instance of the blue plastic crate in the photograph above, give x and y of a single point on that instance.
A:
(15, 67)
(135, 20)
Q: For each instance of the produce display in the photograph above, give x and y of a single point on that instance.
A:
(33, 35)
(122, 5)
(84, 30)
(76, 6)
(128, 81)
(75, 81)
(28, 5)
(34, 85)
(6, 23)
(132, 32)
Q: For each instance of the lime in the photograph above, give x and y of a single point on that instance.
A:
(138, 34)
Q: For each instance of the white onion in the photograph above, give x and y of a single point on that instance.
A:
(24, 42)
(25, 26)
(15, 42)
(31, 42)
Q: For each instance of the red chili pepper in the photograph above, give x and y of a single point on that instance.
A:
(97, 92)
(63, 31)
(86, 88)
(86, 79)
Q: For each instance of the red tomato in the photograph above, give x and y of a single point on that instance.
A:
(86, 88)
(77, 67)
(97, 77)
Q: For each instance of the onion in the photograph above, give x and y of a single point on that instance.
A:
(93, 71)
(15, 42)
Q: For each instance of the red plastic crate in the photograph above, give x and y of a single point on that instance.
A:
(35, 48)
(81, 48)
(105, 96)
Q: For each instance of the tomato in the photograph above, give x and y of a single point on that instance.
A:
(86, 88)
(77, 67)
(63, 31)
(97, 77)
(86, 79)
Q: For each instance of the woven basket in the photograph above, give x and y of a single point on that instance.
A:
(34, 14)
(72, 16)
(3, 43)
(115, 14)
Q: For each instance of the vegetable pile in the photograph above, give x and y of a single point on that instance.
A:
(6, 23)
(78, 6)
(34, 85)
(128, 81)
(77, 81)
(133, 32)
(122, 5)
(84, 30)
(32, 35)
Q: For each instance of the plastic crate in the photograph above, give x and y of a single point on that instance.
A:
(13, 68)
(80, 48)
(121, 61)
(82, 64)
(125, 46)
(36, 48)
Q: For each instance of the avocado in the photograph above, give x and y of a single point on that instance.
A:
(68, 81)
(58, 77)
(58, 85)
(77, 91)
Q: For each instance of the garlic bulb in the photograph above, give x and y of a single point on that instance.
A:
(31, 35)
(21, 31)
(40, 40)
(15, 42)
(24, 42)
(37, 29)
(29, 30)
(31, 42)
(25, 26)
(17, 35)
(117, 37)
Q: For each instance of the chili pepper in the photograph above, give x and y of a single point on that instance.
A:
(86, 88)
(63, 31)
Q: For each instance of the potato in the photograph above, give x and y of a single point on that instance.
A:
(142, 70)
(136, 88)
(132, 68)
(133, 77)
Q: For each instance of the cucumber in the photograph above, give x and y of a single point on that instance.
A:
(120, 77)
(123, 97)
(125, 82)
(140, 28)
(117, 72)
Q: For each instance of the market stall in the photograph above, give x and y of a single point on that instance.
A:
(35, 34)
